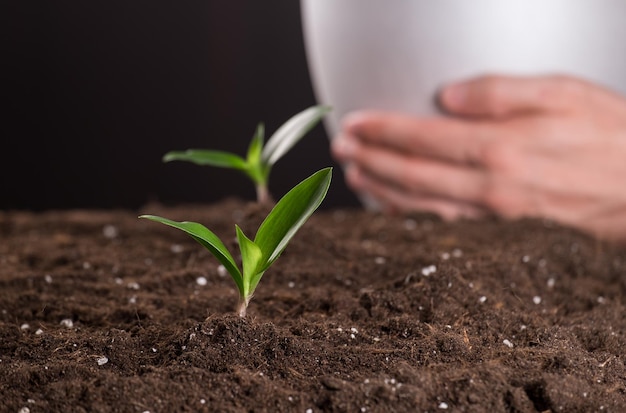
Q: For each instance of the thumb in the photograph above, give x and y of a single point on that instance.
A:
(502, 96)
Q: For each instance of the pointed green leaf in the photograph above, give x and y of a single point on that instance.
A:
(254, 281)
(208, 240)
(291, 132)
(208, 157)
(256, 145)
(290, 213)
(255, 169)
(251, 257)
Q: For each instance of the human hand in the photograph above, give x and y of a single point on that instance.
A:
(552, 147)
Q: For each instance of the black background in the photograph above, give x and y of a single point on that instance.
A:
(98, 91)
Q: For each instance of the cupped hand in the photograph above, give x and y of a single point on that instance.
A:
(551, 147)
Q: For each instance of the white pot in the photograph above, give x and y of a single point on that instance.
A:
(395, 54)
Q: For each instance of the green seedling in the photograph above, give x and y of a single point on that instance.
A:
(280, 225)
(260, 157)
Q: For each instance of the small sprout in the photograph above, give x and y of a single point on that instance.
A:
(260, 158)
(275, 232)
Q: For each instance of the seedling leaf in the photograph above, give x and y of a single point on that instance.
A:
(208, 157)
(255, 169)
(208, 240)
(251, 257)
(259, 159)
(256, 145)
(291, 132)
(290, 213)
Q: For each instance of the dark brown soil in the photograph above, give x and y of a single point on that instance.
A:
(102, 312)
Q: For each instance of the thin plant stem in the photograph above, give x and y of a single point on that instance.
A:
(242, 307)
(262, 194)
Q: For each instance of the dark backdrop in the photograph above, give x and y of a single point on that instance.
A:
(99, 90)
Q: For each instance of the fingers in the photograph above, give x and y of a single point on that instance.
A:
(398, 200)
(609, 224)
(442, 138)
(414, 174)
(518, 147)
(516, 181)
(504, 96)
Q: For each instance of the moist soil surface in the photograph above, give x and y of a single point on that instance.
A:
(103, 312)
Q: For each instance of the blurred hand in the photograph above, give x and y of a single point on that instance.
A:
(552, 147)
